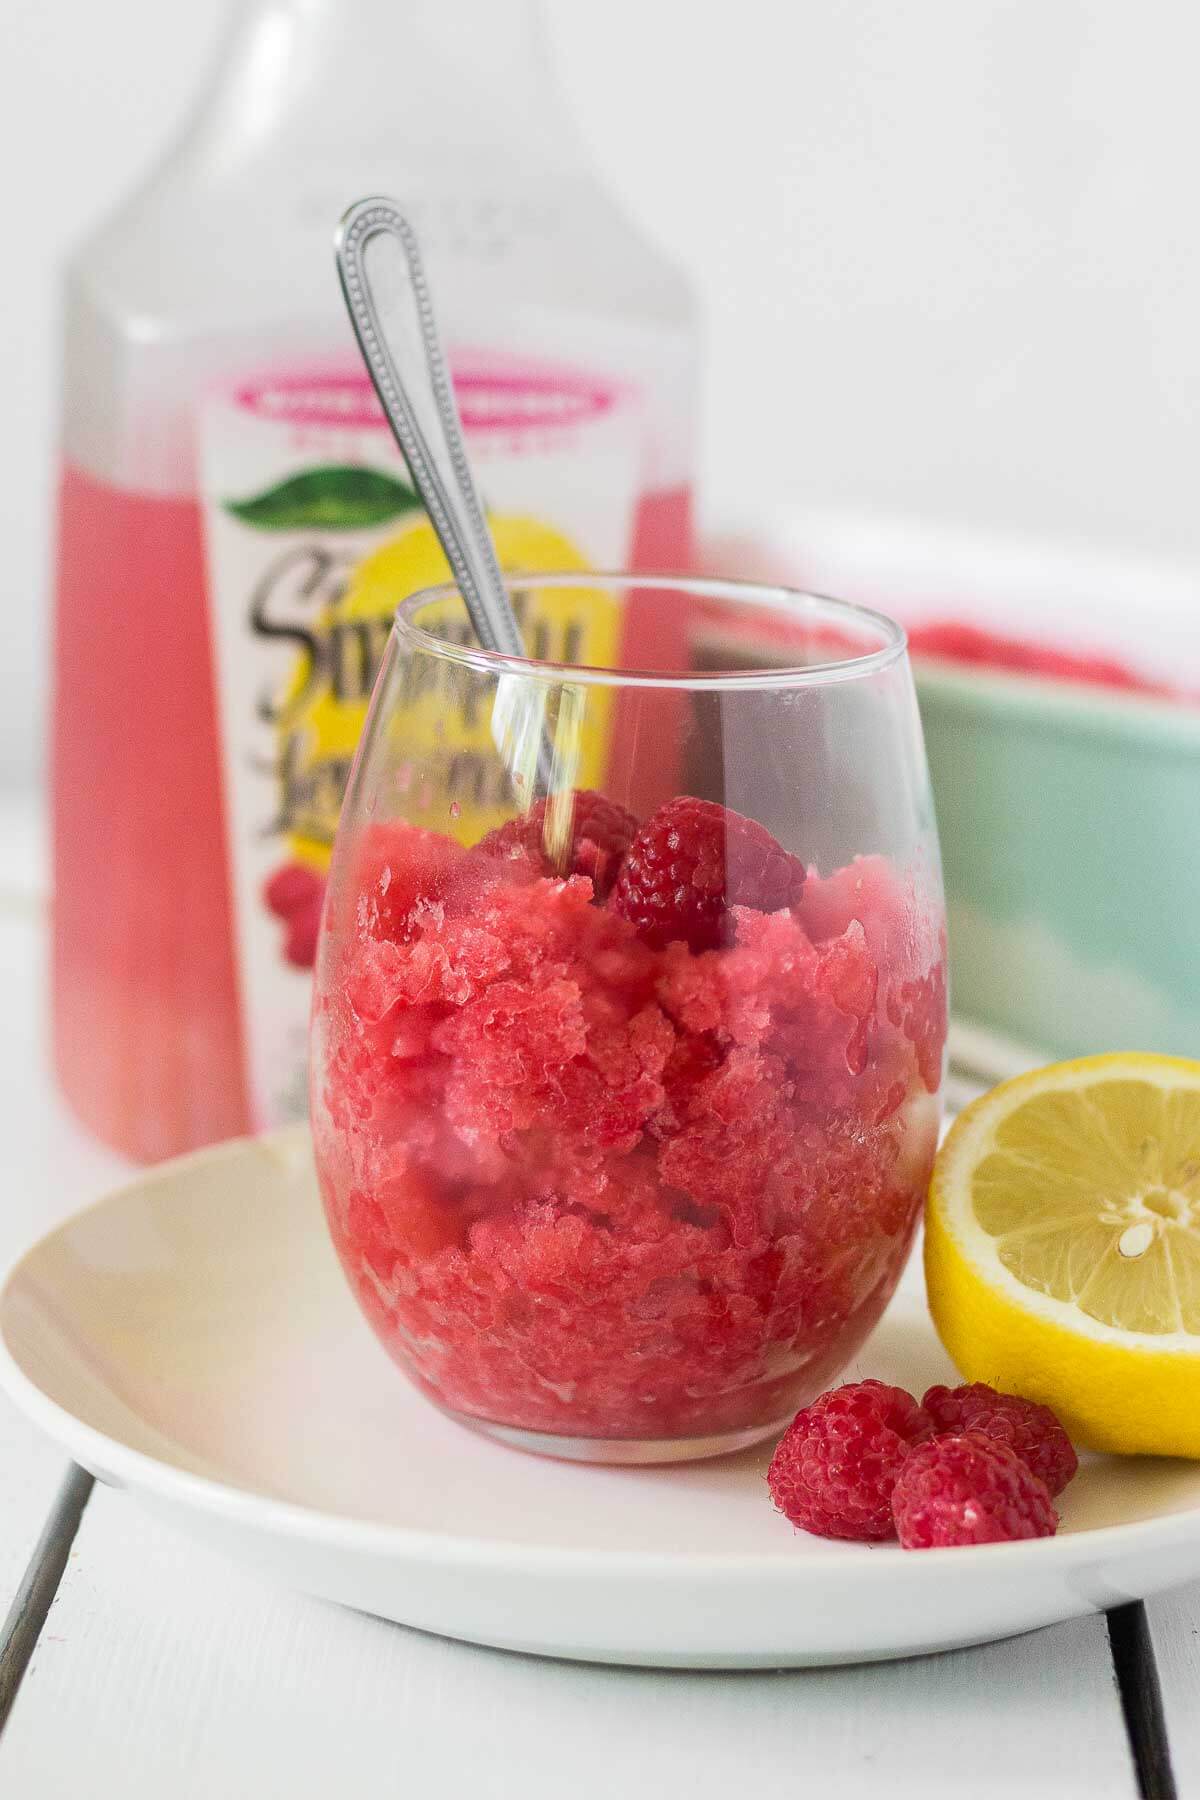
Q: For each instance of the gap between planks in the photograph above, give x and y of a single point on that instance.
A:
(39, 1584)
(1138, 1683)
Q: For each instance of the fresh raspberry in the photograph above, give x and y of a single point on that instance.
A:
(300, 939)
(969, 1490)
(292, 889)
(836, 1464)
(601, 832)
(690, 862)
(295, 893)
(1031, 1430)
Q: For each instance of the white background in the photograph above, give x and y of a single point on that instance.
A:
(948, 248)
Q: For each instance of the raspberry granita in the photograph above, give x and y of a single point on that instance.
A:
(592, 1182)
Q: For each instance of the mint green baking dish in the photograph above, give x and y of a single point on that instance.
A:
(1070, 829)
(1069, 815)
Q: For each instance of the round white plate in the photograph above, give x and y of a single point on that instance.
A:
(191, 1339)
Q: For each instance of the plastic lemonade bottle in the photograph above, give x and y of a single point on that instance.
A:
(235, 525)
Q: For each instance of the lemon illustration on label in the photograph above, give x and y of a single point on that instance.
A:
(443, 720)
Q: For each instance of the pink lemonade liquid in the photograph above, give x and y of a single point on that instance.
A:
(147, 1015)
(146, 1031)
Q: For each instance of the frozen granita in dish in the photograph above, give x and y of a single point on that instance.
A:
(628, 1144)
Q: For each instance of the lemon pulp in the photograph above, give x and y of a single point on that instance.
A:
(1063, 1246)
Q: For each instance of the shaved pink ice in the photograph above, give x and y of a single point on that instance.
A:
(585, 1187)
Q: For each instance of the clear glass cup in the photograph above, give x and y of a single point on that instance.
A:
(630, 1010)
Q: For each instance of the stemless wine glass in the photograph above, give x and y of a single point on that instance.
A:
(630, 1009)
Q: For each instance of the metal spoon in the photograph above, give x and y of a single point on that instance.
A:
(388, 299)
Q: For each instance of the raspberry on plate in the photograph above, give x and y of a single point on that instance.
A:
(601, 832)
(969, 1490)
(836, 1464)
(1031, 1430)
(691, 861)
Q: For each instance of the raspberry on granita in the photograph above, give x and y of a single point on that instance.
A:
(601, 831)
(969, 1490)
(690, 863)
(835, 1466)
(1031, 1430)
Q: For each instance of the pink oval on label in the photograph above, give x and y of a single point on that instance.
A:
(509, 399)
(347, 400)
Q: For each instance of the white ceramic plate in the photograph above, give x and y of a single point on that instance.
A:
(191, 1339)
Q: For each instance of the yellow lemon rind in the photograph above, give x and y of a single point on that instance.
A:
(1115, 1391)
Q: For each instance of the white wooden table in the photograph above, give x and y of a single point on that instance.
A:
(134, 1663)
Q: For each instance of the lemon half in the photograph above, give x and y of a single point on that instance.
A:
(1062, 1247)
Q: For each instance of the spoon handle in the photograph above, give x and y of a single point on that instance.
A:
(388, 299)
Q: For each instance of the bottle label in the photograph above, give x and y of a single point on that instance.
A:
(314, 536)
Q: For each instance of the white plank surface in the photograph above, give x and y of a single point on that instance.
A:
(49, 1169)
(51, 1166)
(1175, 1633)
(168, 1670)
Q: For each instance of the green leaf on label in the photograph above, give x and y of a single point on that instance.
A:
(329, 499)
